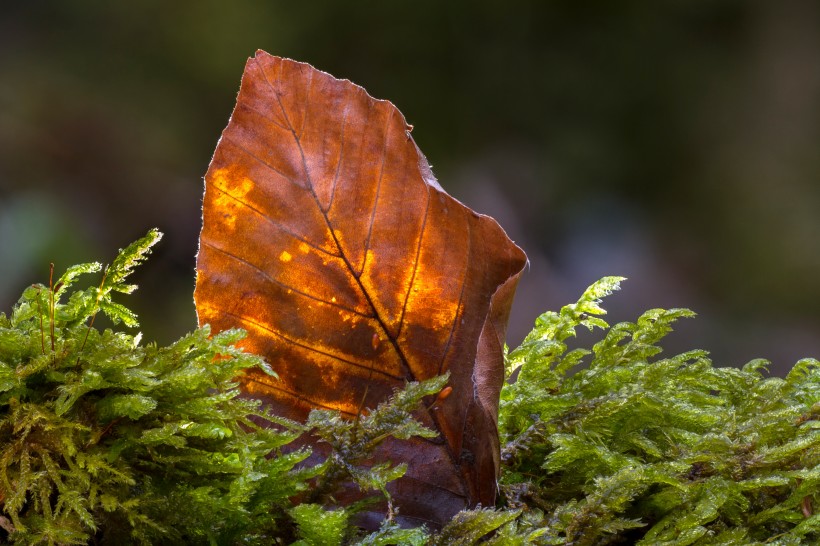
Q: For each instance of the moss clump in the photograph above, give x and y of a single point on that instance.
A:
(639, 448)
(103, 438)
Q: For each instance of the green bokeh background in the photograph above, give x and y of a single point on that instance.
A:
(674, 142)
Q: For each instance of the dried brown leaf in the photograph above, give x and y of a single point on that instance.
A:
(326, 236)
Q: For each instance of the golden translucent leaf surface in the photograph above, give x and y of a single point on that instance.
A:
(327, 238)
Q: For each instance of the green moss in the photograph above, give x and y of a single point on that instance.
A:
(103, 438)
(638, 448)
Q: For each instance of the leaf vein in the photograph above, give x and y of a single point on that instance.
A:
(339, 163)
(261, 114)
(311, 347)
(467, 261)
(295, 395)
(378, 193)
(233, 142)
(276, 224)
(415, 263)
(283, 285)
(307, 103)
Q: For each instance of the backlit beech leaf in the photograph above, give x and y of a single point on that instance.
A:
(326, 237)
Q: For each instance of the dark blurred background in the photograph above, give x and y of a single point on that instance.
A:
(674, 142)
